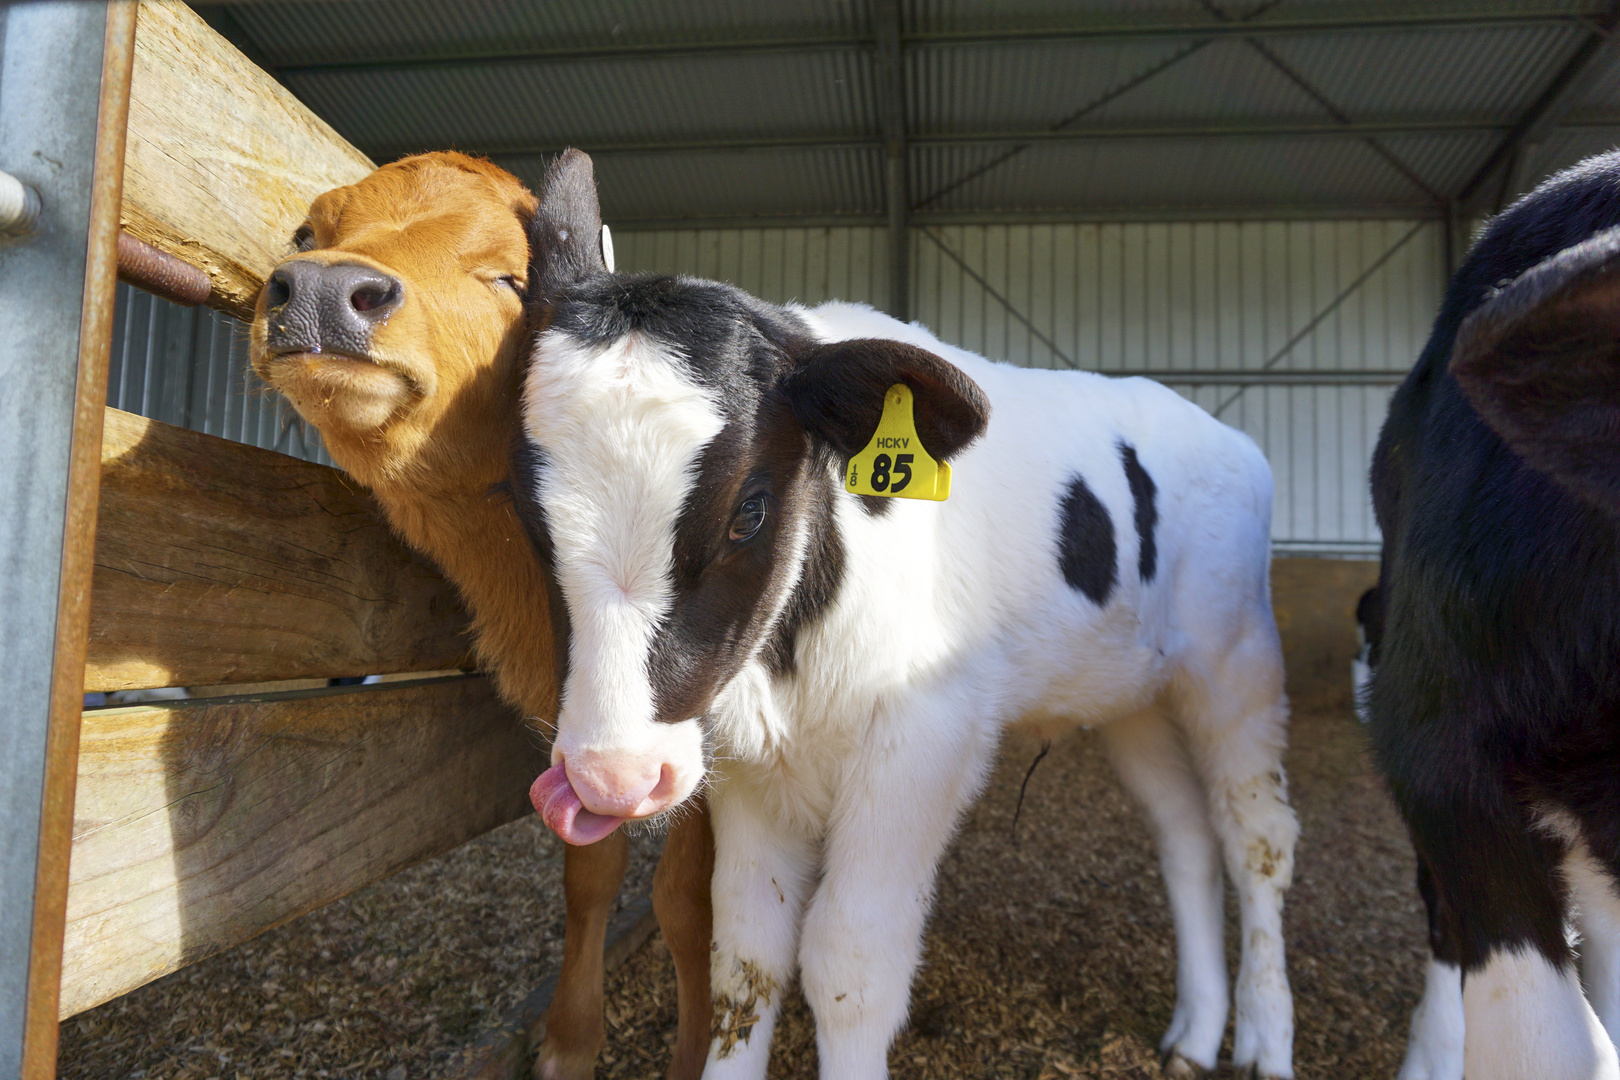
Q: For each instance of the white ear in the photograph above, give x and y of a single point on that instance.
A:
(607, 247)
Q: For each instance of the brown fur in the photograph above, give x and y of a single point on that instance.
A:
(426, 423)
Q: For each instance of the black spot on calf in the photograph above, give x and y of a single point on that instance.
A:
(1147, 514)
(1086, 549)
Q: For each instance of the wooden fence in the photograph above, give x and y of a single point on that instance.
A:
(192, 825)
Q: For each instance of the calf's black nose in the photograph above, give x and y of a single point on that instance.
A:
(313, 307)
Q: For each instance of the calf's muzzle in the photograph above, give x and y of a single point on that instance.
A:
(313, 307)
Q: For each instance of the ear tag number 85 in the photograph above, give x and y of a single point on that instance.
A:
(894, 463)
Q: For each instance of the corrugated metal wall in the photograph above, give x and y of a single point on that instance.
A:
(807, 265)
(189, 367)
(1296, 332)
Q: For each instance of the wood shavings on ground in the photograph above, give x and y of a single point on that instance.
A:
(1049, 956)
(388, 984)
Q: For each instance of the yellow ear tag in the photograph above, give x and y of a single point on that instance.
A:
(894, 463)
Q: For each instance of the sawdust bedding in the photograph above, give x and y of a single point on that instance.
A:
(387, 984)
(1050, 953)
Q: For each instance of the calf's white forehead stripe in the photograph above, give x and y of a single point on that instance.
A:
(622, 425)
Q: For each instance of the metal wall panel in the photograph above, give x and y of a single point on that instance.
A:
(807, 265)
(189, 367)
(1349, 302)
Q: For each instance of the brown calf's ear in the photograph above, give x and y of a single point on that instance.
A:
(565, 234)
(837, 390)
(1540, 361)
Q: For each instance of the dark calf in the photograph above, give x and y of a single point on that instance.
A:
(1494, 707)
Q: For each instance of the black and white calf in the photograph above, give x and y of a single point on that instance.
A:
(1495, 698)
(839, 668)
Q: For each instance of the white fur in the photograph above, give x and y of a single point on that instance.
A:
(1598, 916)
(840, 786)
(1527, 1020)
(612, 490)
(1434, 1050)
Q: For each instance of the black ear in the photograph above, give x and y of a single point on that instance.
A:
(565, 235)
(1540, 361)
(836, 391)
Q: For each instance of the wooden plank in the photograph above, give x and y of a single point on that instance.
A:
(201, 824)
(218, 562)
(222, 160)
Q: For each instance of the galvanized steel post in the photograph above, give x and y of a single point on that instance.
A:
(64, 95)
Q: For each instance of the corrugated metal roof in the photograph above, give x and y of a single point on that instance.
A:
(738, 109)
(316, 31)
(730, 184)
(1206, 174)
(488, 106)
(1488, 72)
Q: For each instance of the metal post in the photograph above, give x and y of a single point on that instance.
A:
(891, 85)
(64, 95)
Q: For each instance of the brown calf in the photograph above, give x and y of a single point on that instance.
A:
(397, 331)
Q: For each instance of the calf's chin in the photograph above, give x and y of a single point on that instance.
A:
(338, 395)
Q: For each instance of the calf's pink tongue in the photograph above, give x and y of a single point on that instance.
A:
(554, 799)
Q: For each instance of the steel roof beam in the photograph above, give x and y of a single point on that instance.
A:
(1337, 19)
(1315, 93)
(891, 102)
(1599, 49)
(1072, 216)
(1114, 133)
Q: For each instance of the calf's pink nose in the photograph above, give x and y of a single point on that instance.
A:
(586, 797)
(615, 786)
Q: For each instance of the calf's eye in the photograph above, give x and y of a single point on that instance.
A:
(304, 238)
(749, 517)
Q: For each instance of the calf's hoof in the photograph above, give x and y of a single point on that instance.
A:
(1181, 1067)
(555, 1064)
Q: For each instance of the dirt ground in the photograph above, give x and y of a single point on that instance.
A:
(1050, 954)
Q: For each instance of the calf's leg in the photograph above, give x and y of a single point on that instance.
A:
(1591, 827)
(681, 900)
(1593, 890)
(591, 879)
(1151, 759)
(1236, 717)
(1528, 1019)
(762, 872)
(1434, 1048)
(1495, 875)
(894, 814)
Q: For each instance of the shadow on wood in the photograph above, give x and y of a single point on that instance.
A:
(218, 562)
(202, 823)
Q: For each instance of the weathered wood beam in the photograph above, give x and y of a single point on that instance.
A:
(201, 824)
(222, 161)
(218, 562)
